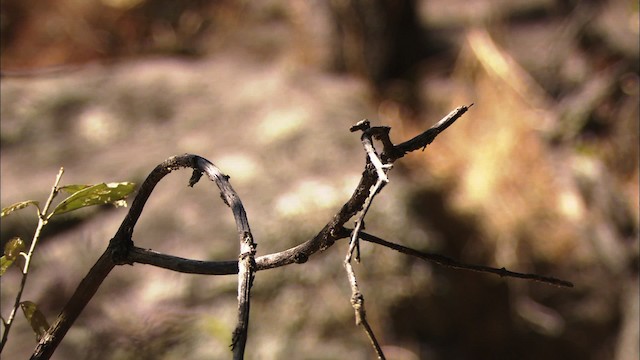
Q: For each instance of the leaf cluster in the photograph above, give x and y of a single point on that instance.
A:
(80, 196)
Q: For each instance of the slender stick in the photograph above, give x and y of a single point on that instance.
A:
(43, 218)
(450, 263)
(357, 302)
(392, 153)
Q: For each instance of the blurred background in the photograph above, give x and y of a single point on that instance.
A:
(541, 175)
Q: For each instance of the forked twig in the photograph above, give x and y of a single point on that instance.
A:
(357, 298)
(381, 166)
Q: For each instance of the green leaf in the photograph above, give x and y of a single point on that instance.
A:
(35, 318)
(11, 251)
(95, 195)
(73, 188)
(17, 206)
(4, 264)
(13, 248)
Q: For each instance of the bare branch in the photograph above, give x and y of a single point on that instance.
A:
(421, 141)
(230, 267)
(381, 169)
(119, 249)
(246, 274)
(450, 263)
(85, 291)
(357, 302)
(381, 172)
(122, 251)
(179, 264)
(357, 298)
(246, 259)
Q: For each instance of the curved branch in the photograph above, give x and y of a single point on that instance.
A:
(246, 259)
(121, 245)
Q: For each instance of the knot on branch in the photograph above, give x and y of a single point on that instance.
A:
(357, 302)
(120, 247)
(195, 177)
(235, 338)
(339, 232)
(300, 258)
(248, 255)
(357, 299)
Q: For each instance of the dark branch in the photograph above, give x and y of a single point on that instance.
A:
(120, 248)
(246, 259)
(450, 263)
(265, 262)
(85, 291)
(421, 141)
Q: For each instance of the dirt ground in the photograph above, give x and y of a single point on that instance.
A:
(541, 175)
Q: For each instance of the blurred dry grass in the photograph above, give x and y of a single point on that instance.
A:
(541, 175)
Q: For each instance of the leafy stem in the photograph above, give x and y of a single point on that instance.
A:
(43, 219)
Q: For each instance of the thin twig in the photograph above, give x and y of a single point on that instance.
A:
(357, 302)
(381, 171)
(394, 152)
(450, 263)
(43, 218)
(360, 220)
